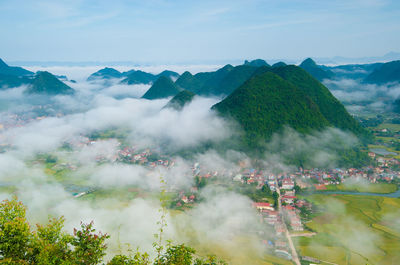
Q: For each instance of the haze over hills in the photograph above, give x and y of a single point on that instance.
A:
(46, 83)
(106, 73)
(385, 73)
(140, 77)
(315, 70)
(163, 87)
(12, 70)
(219, 83)
(180, 100)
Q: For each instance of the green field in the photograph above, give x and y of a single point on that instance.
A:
(374, 188)
(353, 230)
(390, 126)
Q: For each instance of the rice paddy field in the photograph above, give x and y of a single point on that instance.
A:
(353, 229)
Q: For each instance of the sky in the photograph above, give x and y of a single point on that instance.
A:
(182, 31)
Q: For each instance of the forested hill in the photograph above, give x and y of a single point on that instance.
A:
(267, 102)
(287, 95)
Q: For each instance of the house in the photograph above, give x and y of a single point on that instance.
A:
(288, 199)
(263, 206)
(287, 184)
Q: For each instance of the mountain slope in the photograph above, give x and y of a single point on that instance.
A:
(180, 100)
(219, 83)
(13, 70)
(189, 82)
(256, 63)
(105, 73)
(139, 77)
(386, 73)
(315, 70)
(46, 83)
(330, 107)
(9, 81)
(167, 73)
(162, 88)
(266, 103)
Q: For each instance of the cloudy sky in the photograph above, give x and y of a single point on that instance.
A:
(171, 31)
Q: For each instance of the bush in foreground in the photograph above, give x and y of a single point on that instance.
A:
(48, 244)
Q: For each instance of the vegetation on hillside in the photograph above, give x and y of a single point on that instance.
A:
(162, 88)
(265, 103)
(315, 70)
(386, 73)
(180, 100)
(46, 83)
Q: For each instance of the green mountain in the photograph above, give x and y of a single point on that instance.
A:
(139, 77)
(12, 70)
(278, 64)
(266, 103)
(330, 107)
(105, 73)
(218, 83)
(386, 73)
(315, 70)
(162, 88)
(288, 95)
(256, 63)
(46, 83)
(167, 73)
(9, 81)
(180, 100)
(192, 82)
(134, 77)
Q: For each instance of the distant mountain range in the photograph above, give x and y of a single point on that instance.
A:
(315, 70)
(131, 77)
(385, 73)
(163, 87)
(12, 70)
(46, 83)
(219, 83)
(39, 83)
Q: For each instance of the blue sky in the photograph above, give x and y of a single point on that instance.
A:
(190, 31)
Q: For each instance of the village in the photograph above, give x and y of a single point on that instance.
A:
(279, 207)
(275, 196)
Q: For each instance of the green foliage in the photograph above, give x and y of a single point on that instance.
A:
(265, 103)
(14, 231)
(137, 259)
(180, 100)
(162, 88)
(89, 248)
(49, 245)
(221, 82)
(330, 107)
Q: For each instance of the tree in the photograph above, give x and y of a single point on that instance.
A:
(14, 231)
(49, 245)
(89, 247)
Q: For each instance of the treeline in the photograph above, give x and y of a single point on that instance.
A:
(49, 244)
